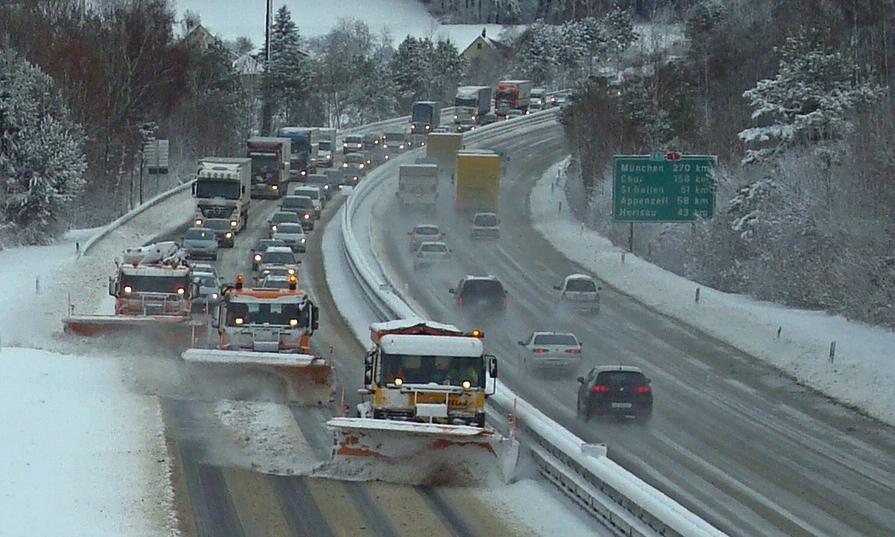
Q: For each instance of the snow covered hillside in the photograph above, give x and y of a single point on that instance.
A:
(230, 18)
(82, 453)
(860, 374)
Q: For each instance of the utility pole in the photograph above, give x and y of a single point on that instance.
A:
(266, 90)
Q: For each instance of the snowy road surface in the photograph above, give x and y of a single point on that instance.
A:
(731, 439)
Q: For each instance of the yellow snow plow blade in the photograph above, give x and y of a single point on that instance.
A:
(419, 453)
(172, 329)
(307, 378)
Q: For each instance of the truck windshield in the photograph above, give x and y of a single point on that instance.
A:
(264, 163)
(445, 370)
(421, 113)
(325, 145)
(485, 220)
(217, 188)
(267, 313)
(506, 95)
(153, 284)
(465, 101)
(394, 136)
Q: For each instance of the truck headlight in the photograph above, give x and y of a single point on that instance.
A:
(257, 257)
(181, 291)
(466, 385)
(238, 321)
(291, 271)
(293, 322)
(344, 164)
(303, 173)
(228, 235)
(274, 187)
(128, 289)
(398, 381)
(198, 222)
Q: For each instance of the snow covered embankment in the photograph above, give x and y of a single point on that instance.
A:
(82, 454)
(860, 374)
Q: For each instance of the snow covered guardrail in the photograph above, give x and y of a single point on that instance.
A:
(379, 126)
(580, 470)
(130, 215)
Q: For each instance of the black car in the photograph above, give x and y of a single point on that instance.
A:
(223, 231)
(481, 292)
(616, 390)
(260, 247)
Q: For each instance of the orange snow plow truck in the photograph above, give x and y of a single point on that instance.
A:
(425, 386)
(269, 331)
(153, 294)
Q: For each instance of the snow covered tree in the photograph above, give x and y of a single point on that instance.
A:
(536, 52)
(426, 70)
(808, 101)
(448, 68)
(287, 79)
(42, 160)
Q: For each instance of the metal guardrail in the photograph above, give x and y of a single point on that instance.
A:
(130, 215)
(580, 470)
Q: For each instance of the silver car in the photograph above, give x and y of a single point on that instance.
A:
(579, 292)
(485, 226)
(316, 195)
(275, 281)
(200, 242)
(278, 257)
(292, 235)
(551, 350)
(430, 253)
(209, 291)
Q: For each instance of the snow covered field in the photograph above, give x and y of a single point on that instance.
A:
(233, 18)
(861, 373)
(82, 454)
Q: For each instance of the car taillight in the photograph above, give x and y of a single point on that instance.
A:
(460, 301)
(643, 389)
(539, 351)
(573, 351)
(600, 388)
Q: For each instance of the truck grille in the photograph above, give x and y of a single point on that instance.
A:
(217, 212)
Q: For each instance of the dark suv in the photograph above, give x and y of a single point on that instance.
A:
(616, 390)
(485, 292)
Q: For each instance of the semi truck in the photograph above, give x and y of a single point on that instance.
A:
(425, 116)
(477, 183)
(417, 185)
(471, 103)
(512, 95)
(304, 149)
(223, 190)
(270, 165)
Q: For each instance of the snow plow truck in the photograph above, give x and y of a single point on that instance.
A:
(269, 331)
(423, 417)
(153, 294)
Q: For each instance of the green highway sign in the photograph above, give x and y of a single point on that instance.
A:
(663, 188)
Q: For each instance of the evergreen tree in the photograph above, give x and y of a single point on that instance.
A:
(42, 161)
(808, 101)
(288, 76)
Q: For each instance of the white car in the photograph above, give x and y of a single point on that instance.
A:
(430, 253)
(278, 257)
(551, 350)
(424, 233)
(485, 226)
(293, 235)
(579, 292)
(275, 281)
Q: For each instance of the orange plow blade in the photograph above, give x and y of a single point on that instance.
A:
(419, 453)
(170, 329)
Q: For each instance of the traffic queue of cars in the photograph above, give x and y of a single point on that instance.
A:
(606, 390)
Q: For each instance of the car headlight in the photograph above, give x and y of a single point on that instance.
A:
(228, 235)
(198, 222)
(274, 187)
(214, 296)
(456, 116)
(291, 271)
(344, 164)
(273, 227)
(301, 240)
(329, 157)
(325, 187)
(361, 165)
(257, 257)
(307, 216)
(128, 289)
(267, 271)
(386, 157)
(233, 223)
(427, 127)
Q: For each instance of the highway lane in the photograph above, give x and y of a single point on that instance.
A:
(732, 439)
(228, 498)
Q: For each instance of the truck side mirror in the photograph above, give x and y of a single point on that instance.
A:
(195, 184)
(112, 290)
(315, 311)
(492, 366)
(521, 343)
(243, 189)
(558, 287)
(452, 291)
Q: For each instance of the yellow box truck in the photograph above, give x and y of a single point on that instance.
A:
(477, 184)
(441, 149)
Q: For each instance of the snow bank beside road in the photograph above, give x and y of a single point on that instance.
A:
(860, 375)
(80, 455)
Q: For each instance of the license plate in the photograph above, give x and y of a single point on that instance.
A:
(621, 405)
